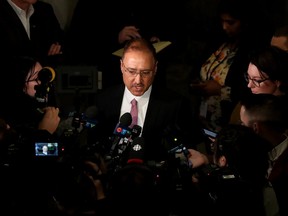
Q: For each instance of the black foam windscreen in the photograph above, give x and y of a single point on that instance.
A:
(126, 119)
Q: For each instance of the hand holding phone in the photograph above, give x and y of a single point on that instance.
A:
(209, 133)
(211, 136)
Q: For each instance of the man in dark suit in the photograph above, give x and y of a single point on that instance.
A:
(30, 27)
(163, 116)
(162, 113)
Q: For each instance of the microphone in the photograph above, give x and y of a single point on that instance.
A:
(136, 154)
(121, 130)
(135, 131)
(89, 119)
(91, 112)
(46, 75)
(125, 142)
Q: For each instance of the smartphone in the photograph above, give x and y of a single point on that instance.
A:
(210, 133)
(209, 141)
(46, 149)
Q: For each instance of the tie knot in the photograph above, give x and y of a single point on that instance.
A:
(134, 102)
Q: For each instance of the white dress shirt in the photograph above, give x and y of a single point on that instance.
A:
(142, 104)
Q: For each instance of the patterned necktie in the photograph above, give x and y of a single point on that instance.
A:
(134, 112)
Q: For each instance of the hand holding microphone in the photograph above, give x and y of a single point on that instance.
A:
(50, 120)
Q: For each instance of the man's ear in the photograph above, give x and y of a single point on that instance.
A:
(156, 66)
(222, 161)
(256, 127)
(121, 65)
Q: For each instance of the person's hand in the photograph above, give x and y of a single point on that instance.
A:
(93, 174)
(197, 158)
(127, 33)
(50, 120)
(208, 88)
(197, 85)
(55, 49)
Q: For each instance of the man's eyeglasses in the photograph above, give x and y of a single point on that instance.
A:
(255, 82)
(134, 73)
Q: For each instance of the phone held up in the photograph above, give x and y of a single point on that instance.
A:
(209, 141)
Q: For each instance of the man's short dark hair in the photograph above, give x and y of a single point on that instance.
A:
(267, 109)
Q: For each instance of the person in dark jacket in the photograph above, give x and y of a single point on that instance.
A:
(31, 28)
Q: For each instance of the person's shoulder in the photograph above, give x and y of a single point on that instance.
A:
(112, 89)
(40, 5)
(283, 98)
(110, 92)
(5, 8)
(166, 92)
(3, 3)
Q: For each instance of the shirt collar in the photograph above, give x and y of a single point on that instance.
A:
(129, 96)
(278, 150)
(20, 11)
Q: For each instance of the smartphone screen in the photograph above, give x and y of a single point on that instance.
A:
(209, 141)
(210, 133)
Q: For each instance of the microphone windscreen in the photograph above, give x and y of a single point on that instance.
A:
(91, 112)
(122, 128)
(136, 131)
(136, 154)
(126, 119)
(46, 74)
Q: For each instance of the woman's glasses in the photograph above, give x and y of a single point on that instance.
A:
(255, 82)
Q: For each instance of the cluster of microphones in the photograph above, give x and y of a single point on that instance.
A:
(127, 145)
(127, 153)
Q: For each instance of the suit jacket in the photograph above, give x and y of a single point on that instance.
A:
(168, 116)
(279, 179)
(45, 30)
